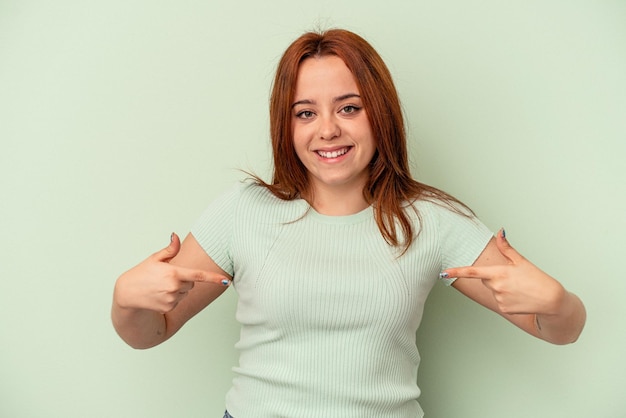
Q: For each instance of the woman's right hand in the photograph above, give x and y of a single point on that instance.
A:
(157, 285)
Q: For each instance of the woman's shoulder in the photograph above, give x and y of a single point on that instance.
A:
(437, 206)
(255, 197)
(254, 192)
(436, 214)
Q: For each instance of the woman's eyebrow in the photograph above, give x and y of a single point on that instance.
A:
(302, 102)
(335, 100)
(346, 96)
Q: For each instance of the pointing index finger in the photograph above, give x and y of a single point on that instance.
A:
(484, 273)
(192, 275)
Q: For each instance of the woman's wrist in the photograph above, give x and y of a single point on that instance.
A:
(564, 326)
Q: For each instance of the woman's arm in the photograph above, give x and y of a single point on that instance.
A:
(504, 281)
(154, 299)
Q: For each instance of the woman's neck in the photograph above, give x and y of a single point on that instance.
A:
(337, 201)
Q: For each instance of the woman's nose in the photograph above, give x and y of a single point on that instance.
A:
(329, 128)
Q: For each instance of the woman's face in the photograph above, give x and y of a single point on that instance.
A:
(331, 132)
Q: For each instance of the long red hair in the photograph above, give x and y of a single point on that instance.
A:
(390, 186)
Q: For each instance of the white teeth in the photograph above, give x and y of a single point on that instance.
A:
(333, 154)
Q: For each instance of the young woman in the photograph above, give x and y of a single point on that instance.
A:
(334, 258)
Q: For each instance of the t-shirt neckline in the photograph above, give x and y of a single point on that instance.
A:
(340, 219)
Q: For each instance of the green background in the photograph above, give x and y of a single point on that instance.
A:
(121, 120)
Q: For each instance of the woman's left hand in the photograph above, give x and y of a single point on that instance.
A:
(517, 285)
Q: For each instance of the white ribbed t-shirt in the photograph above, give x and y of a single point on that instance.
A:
(328, 310)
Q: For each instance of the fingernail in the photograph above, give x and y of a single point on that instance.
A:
(225, 282)
(503, 233)
(172, 237)
(444, 275)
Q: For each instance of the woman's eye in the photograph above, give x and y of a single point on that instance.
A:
(350, 109)
(305, 114)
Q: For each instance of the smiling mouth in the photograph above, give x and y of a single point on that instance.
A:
(333, 154)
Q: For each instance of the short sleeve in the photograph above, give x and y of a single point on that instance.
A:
(213, 230)
(461, 239)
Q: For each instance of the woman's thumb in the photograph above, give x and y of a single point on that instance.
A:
(169, 252)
